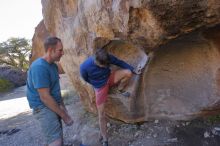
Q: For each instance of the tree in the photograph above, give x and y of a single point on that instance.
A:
(15, 52)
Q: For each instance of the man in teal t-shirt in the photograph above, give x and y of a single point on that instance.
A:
(43, 92)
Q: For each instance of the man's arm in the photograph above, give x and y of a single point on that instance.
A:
(48, 100)
(114, 60)
(62, 106)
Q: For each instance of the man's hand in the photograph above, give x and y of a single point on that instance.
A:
(49, 101)
(138, 70)
(67, 120)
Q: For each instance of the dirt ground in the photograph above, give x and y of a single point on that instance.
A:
(19, 128)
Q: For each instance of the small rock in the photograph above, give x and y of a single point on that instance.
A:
(156, 121)
(150, 129)
(214, 132)
(187, 123)
(108, 125)
(155, 135)
(76, 137)
(206, 134)
(172, 140)
(138, 133)
(217, 128)
(167, 130)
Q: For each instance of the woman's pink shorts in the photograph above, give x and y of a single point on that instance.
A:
(102, 93)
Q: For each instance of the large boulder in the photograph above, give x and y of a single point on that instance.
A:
(181, 79)
(14, 75)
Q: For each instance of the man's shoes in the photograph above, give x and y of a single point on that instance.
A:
(105, 143)
(100, 139)
(126, 94)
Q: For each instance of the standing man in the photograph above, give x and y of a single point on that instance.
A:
(44, 95)
(96, 71)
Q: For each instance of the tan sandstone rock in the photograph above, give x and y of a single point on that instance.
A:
(181, 80)
(37, 41)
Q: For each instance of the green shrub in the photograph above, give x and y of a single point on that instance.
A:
(5, 85)
(214, 119)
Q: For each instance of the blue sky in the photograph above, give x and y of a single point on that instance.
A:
(18, 18)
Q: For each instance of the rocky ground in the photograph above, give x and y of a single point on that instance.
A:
(19, 128)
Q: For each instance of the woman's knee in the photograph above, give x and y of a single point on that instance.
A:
(122, 74)
(128, 73)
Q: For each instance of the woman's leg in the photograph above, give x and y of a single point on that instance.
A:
(102, 121)
(122, 77)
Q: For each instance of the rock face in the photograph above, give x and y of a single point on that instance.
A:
(181, 80)
(41, 33)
